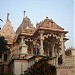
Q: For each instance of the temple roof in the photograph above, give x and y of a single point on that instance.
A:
(49, 24)
(7, 31)
(25, 26)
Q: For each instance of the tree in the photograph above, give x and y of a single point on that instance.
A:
(3, 45)
(42, 67)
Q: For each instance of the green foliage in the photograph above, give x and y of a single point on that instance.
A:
(3, 44)
(42, 67)
(6, 74)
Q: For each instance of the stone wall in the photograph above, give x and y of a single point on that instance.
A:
(66, 70)
(21, 65)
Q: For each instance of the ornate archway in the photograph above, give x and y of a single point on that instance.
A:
(51, 45)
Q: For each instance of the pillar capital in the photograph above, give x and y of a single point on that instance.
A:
(41, 31)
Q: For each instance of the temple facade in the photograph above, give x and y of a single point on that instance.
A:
(28, 42)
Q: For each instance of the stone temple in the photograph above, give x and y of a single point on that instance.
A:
(28, 42)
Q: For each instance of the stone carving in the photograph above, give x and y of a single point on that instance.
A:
(47, 23)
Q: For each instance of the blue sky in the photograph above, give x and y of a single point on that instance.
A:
(61, 11)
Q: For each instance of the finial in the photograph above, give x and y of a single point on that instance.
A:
(7, 16)
(46, 17)
(1, 20)
(24, 14)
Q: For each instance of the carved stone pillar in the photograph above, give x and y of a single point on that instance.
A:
(62, 46)
(57, 56)
(2, 57)
(53, 53)
(41, 41)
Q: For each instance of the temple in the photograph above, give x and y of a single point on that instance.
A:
(28, 42)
